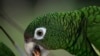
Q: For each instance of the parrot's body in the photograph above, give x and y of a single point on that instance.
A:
(74, 31)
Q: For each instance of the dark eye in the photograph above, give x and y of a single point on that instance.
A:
(39, 33)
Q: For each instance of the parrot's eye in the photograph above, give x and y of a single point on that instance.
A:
(39, 33)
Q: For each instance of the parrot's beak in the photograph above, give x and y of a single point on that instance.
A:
(32, 49)
(40, 51)
(36, 51)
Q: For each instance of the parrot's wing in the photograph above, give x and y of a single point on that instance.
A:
(5, 51)
(92, 13)
(94, 36)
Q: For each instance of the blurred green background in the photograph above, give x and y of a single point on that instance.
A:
(15, 16)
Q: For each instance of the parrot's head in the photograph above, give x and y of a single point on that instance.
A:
(46, 33)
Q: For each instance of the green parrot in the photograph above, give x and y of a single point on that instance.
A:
(77, 32)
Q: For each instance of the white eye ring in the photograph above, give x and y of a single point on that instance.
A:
(39, 33)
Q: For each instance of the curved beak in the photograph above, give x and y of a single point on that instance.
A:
(33, 49)
(36, 51)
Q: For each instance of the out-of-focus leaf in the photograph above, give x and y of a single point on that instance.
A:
(5, 51)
